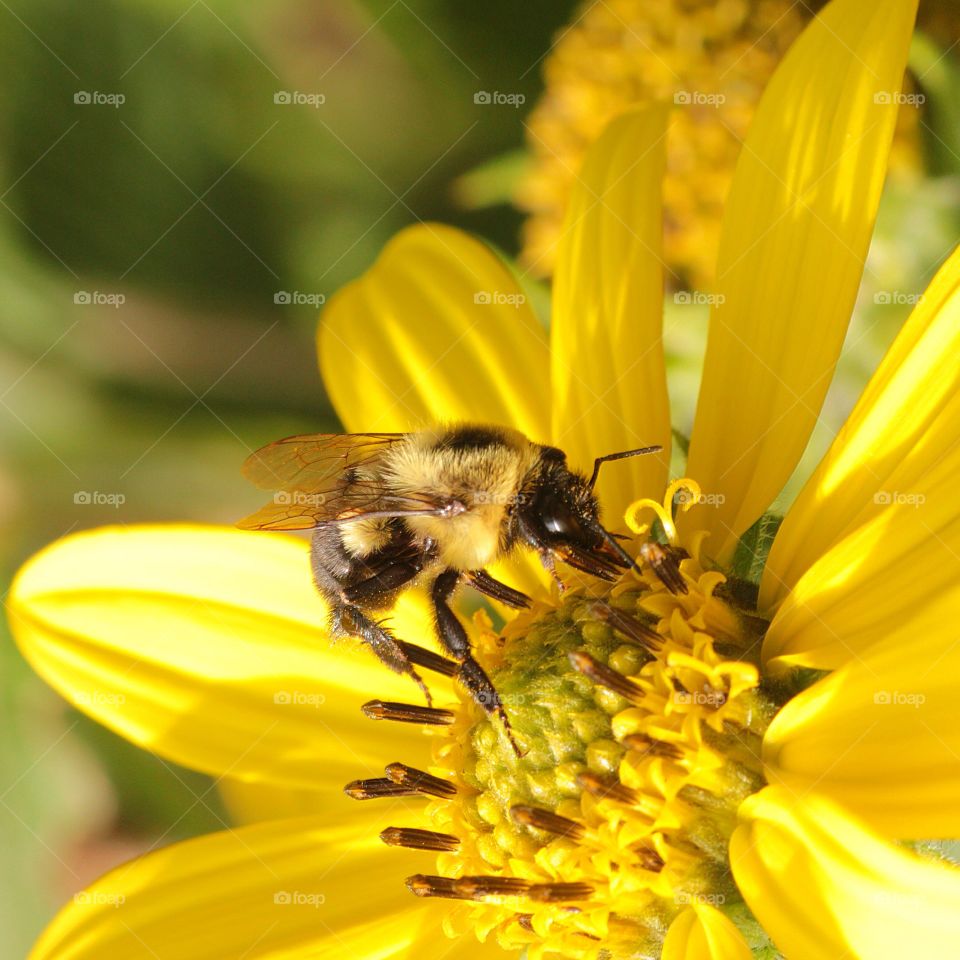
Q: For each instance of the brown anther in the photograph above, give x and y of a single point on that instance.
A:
(425, 885)
(419, 839)
(526, 921)
(599, 673)
(428, 659)
(546, 820)
(649, 859)
(606, 789)
(481, 888)
(633, 629)
(419, 781)
(665, 563)
(375, 789)
(645, 744)
(407, 713)
(558, 892)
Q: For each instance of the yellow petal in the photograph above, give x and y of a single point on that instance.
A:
(259, 802)
(208, 646)
(881, 736)
(826, 888)
(702, 932)
(906, 424)
(414, 340)
(795, 233)
(902, 568)
(608, 375)
(319, 886)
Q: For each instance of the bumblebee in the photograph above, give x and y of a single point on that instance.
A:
(432, 508)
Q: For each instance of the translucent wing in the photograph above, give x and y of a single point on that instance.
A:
(328, 478)
(316, 462)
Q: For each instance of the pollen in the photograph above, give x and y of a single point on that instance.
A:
(639, 713)
(712, 61)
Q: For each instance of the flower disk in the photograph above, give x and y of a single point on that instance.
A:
(640, 719)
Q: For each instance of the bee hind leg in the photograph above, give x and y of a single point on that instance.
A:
(348, 620)
(454, 639)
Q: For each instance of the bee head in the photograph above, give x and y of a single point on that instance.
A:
(559, 513)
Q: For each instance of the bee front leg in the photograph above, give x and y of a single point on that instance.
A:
(549, 561)
(453, 637)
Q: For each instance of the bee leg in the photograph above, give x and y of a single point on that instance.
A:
(454, 639)
(348, 620)
(493, 588)
(549, 562)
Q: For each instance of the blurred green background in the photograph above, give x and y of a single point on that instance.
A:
(146, 251)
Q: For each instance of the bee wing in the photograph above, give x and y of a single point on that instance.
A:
(308, 475)
(314, 463)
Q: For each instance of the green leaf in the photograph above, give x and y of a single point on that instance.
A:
(751, 553)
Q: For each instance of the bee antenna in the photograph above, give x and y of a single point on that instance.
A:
(622, 455)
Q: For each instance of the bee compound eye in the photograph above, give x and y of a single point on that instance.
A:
(559, 519)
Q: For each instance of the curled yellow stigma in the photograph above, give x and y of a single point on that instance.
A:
(639, 713)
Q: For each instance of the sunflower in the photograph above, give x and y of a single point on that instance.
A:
(714, 60)
(686, 789)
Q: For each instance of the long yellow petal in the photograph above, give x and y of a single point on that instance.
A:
(796, 230)
(906, 424)
(702, 932)
(438, 329)
(319, 886)
(899, 569)
(249, 802)
(825, 888)
(608, 374)
(208, 646)
(881, 736)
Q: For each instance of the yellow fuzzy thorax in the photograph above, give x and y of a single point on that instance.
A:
(486, 480)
